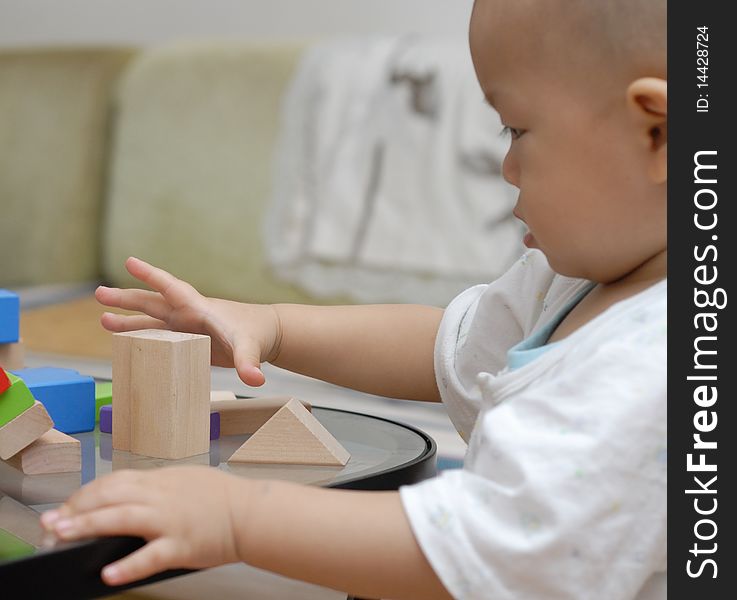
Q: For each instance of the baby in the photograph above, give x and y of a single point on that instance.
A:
(555, 373)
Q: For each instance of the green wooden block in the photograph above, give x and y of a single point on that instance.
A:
(16, 399)
(103, 396)
(13, 547)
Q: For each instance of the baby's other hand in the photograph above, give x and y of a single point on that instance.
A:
(183, 513)
(242, 335)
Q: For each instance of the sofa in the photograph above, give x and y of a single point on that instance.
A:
(164, 153)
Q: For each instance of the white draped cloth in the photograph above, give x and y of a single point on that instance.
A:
(387, 179)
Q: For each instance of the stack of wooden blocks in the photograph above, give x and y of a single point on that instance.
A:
(30, 439)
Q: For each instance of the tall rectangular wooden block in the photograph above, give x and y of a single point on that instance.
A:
(167, 393)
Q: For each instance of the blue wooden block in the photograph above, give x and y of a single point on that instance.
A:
(69, 397)
(9, 317)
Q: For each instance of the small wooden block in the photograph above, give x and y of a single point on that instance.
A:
(106, 418)
(246, 415)
(4, 381)
(221, 395)
(16, 399)
(214, 426)
(12, 356)
(25, 429)
(53, 452)
(166, 399)
(292, 436)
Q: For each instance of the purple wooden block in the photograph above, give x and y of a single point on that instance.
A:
(106, 418)
(214, 425)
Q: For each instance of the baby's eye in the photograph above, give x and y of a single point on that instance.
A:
(513, 132)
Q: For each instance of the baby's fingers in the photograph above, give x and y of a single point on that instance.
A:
(176, 292)
(131, 519)
(120, 487)
(116, 323)
(144, 301)
(154, 557)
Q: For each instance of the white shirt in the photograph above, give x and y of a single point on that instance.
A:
(563, 489)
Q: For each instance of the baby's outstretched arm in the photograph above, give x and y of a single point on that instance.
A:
(240, 333)
(383, 349)
(380, 349)
(199, 517)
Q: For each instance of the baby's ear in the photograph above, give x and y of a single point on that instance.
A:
(647, 101)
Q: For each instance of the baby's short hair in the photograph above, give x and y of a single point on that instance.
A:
(627, 34)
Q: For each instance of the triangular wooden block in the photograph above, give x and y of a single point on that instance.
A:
(4, 381)
(292, 436)
(25, 429)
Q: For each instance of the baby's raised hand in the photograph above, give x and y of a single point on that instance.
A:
(242, 335)
(183, 513)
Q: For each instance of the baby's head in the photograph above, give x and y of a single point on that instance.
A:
(582, 86)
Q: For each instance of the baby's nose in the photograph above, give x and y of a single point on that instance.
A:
(510, 170)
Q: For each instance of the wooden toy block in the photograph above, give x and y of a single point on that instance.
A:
(25, 429)
(69, 397)
(12, 356)
(14, 400)
(292, 436)
(4, 380)
(214, 425)
(247, 415)
(106, 418)
(53, 452)
(167, 394)
(21, 521)
(103, 395)
(221, 395)
(9, 316)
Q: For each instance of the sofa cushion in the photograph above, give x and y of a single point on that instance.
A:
(54, 108)
(191, 165)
